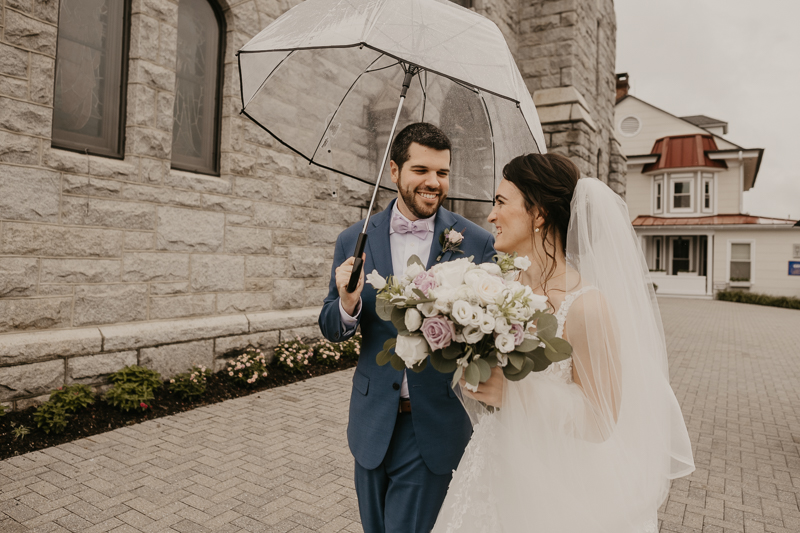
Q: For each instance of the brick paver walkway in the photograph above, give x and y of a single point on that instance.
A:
(278, 461)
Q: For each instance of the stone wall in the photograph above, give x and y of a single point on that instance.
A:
(94, 248)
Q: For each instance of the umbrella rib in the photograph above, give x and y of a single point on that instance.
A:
(491, 132)
(424, 94)
(290, 54)
(383, 68)
(328, 125)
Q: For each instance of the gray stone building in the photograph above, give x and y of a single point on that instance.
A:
(142, 220)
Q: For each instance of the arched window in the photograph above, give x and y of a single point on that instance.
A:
(195, 131)
(90, 76)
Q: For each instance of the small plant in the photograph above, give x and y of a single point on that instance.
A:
(19, 431)
(759, 299)
(73, 397)
(294, 355)
(190, 384)
(2, 410)
(351, 348)
(133, 387)
(326, 353)
(249, 368)
(51, 416)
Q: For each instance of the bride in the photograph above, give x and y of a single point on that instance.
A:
(590, 444)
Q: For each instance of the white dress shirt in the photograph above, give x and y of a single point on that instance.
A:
(403, 246)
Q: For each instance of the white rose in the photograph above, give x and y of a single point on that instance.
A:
(411, 349)
(522, 263)
(413, 319)
(502, 359)
(505, 342)
(486, 323)
(491, 268)
(427, 309)
(462, 312)
(472, 334)
(467, 293)
(489, 288)
(376, 280)
(408, 292)
(472, 276)
(413, 270)
(538, 302)
(501, 326)
(451, 274)
(445, 294)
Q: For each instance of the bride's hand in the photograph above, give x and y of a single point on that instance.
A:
(491, 391)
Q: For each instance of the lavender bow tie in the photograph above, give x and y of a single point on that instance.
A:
(418, 228)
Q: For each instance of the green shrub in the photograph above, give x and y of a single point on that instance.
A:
(293, 356)
(19, 431)
(133, 387)
(190, 384)
(2, 410)
(326, 353)
(351, 348)
(51, 416)
(759, 299)
(249, 368)
(128, 395)
(73, 397)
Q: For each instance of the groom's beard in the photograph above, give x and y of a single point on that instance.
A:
(414, 204)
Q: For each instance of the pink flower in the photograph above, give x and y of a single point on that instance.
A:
(143, 405)
(518, 332)
(438, 331)
(425, 282)
(454, 237)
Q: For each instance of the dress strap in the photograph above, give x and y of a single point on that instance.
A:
(561, 314)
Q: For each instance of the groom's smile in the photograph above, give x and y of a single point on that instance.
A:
(422, 182)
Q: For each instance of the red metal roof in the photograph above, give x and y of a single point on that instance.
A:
(716, 220)
(684, 151)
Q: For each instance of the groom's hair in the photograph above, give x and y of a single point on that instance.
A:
(421, 133)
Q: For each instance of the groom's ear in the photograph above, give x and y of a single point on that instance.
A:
(395, 170)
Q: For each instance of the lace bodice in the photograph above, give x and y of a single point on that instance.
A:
(562, 370)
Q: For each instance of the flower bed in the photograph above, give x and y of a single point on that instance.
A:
(759, 299)
(138, 394)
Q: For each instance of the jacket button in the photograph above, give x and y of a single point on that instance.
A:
(396, 386)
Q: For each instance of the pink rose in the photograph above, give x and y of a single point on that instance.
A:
(425, 282)
(438, 331)
(454, 237)
(518, 332)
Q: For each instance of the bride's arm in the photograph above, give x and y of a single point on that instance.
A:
(591, 331)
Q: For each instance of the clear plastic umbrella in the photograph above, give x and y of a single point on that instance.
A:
(334, 79)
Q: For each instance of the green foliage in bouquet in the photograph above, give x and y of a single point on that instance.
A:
(294, 355)
(51, 417)
(249, 368)
(133, 388)
(190, 384)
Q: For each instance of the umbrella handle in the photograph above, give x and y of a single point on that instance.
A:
(358, 264)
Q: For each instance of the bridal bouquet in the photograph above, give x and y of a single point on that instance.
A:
(467, 319)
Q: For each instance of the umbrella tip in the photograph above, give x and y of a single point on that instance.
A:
(237, 53)
(242, 111)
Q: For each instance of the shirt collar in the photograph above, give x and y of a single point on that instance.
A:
(430, 222)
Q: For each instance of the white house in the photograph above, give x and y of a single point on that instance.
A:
(684, 193)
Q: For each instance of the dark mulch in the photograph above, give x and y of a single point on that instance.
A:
(101, 417)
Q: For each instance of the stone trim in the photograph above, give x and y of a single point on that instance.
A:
(34, 363)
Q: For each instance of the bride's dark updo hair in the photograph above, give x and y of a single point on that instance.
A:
(547, 182)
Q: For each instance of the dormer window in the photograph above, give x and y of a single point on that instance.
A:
(681, 186)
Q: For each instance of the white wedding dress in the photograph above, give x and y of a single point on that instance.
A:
(598, 457)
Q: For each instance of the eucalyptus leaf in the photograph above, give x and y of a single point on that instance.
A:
(484, 368)
(516, 360)
(473, 374)
(527, 345)
(492, 359)
(383, 357)
(540, 360)
(390, 343)
(397, 363)
(384, 309)
(414, 259)
(561, 350)
(399, 321)
(527, 368)
(457, 375)
(445, 366)
(546, 326)
(453, 351)
(419, 367)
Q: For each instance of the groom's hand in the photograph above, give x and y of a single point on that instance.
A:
(349, 299)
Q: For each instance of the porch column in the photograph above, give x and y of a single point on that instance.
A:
(709, 264)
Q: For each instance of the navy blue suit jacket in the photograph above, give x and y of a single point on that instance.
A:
(441, 425)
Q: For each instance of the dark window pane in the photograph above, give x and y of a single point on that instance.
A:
(195, 130)
(740, 271)
(87, 102)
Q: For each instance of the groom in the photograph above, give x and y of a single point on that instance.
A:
(407, 431)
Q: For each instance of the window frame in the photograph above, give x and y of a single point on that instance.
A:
(76, 142)
(658, 254)
(658, 182)
(707, 178)
(682, 177)
(752, 280)
(691, 258)
(217, 130)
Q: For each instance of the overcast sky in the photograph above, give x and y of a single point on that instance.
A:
(733, 60)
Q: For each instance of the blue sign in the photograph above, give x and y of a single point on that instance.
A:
(794, 268)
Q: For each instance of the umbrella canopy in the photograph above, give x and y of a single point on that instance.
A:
(325, 77)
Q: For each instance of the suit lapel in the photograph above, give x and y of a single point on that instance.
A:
(444, 220)
(378, 245)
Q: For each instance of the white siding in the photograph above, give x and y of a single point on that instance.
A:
(770, 268)
(638, 194)
(728, 190)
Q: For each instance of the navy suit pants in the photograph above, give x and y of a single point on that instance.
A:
(402, 495)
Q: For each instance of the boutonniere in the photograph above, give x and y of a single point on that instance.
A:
(450, 239)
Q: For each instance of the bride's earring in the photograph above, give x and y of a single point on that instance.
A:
(536, 230)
